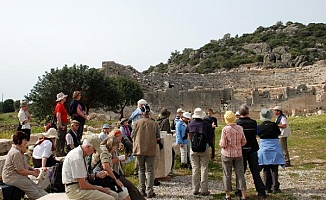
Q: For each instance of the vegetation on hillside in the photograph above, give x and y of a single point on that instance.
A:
(295, 39)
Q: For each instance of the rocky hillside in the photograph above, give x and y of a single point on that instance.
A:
(277, 46)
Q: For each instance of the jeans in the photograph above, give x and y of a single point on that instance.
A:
(146, 164)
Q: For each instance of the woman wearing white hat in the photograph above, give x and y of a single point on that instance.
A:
(42, 152)
(62, 122)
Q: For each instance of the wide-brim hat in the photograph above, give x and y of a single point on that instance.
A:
(93, 140)
(180, 110)
(277, 108)
(266, 114)
(122, 120)
(51, 133)
(199, 113)
(142, 102)
(229, 117)
(186, 115)
(61, 96)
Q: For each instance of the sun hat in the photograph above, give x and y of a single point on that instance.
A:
(142, 102)
(117, 133)
(123, 120)
(277, 108)
(51, 133)
(106, 126)
(94, 141)
(180, 110)
(229, 117)
(266, 114)
(186, 115)
(61, 96)
(199, 113)
(74, 122)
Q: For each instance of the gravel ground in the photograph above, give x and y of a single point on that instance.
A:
(303, 184)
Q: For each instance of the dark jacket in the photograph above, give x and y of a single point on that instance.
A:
(268, 130)
(201, 126)
(250, 130)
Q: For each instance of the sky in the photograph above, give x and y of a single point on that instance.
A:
(36, 36)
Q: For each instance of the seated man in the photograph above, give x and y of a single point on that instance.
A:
(74, 176)
(72, 137)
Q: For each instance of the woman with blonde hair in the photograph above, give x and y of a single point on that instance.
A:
(77, 111)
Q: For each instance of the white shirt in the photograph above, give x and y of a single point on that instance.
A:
(285, 132)
(69, 138)
(22, 116)
(43, 150)
(74, 166)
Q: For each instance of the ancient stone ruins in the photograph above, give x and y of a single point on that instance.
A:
(298, 90)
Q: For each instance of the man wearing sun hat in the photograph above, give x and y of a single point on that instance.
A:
(106, 128)
(200, 160)
(74, 173)
(283, 124)
(62, 122)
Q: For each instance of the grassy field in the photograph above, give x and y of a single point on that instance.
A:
(306, 147)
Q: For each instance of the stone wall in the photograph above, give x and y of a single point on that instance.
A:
(292, 88)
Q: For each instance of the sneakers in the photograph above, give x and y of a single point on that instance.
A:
(205, 193)
(196, 193)
(157, 183)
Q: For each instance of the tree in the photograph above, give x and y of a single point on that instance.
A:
(129, 91)
(89, 81)
(8, 106)
(17, 104)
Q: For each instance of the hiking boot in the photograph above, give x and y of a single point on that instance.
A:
(157, 183)
(205, 193)
(196, 193)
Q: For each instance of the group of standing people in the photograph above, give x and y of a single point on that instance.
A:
(240, 148)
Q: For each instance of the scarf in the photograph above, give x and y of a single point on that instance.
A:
(278, 120)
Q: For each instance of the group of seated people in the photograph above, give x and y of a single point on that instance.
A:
(91, 170)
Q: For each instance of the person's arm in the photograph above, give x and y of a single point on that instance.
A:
(223, 141)
(106, 167)
(84, 185)
(70, 141)
(59, 121)
(80, 113)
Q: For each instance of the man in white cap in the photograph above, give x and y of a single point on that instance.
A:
(136, 115)
(283, 124)
(73, 138)
(62, 122)
(177, 117)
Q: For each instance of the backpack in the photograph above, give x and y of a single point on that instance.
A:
(198, 142)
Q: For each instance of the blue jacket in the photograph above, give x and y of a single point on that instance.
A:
(270, 152)
(180, 130)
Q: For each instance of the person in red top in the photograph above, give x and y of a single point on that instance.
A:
(62, 122)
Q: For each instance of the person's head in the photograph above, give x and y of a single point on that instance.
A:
(123, 121)
(186, 116)
(129, 122)
(74, 125)
(23, 105)
(76, 95)
(61, 97)
(145, 111)
(116, 133)
(141, 103)
(198, 114)
(20, 139)
(277, 110)
(266, 114)
(180, 111)
(209, 112)
(243, 110)
(229, 117)
(106, 128)
(91, 144)
(111, 143)
(165, 113)
(51, 133)
(237, 115)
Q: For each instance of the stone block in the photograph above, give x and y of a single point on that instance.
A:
(165, 157)
(5, 145)
(2, 163)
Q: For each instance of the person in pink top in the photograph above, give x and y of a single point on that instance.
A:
(232, 140)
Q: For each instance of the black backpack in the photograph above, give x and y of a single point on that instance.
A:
(198, 142)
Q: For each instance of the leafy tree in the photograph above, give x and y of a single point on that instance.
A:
(129, 92)
(17, 104)
(8, 106)
(89, 81)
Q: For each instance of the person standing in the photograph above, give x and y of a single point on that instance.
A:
(24, 119)
(182, 139)
(145, 136)
(73, 139)
(232, 140)
(137, 114)
(77, 111)
(74, 175)
(200, 159)
(249, 150)
(62, 122)
(106, 128)
(270, 151)
(213, 121)
(283, 124)
(177, 117)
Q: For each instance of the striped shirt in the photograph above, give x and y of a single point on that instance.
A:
(232, 140)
